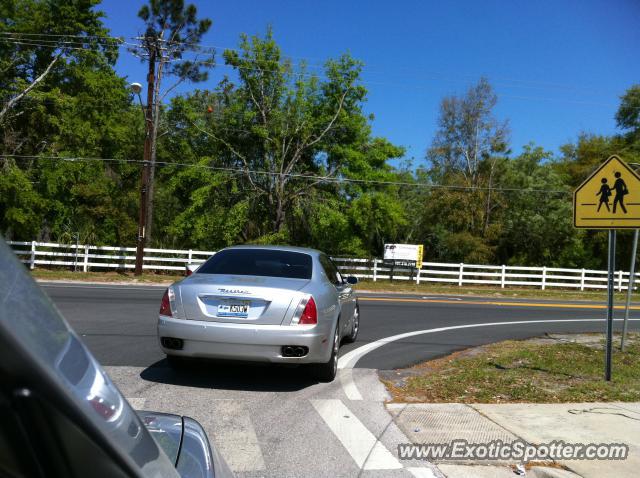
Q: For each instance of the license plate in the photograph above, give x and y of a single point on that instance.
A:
(239, 309)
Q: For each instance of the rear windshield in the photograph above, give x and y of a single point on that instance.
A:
(259, 262)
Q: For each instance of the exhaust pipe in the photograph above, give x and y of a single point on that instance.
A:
(172, 343)
(294, 351)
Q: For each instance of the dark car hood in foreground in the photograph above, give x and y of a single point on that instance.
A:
(44, 364)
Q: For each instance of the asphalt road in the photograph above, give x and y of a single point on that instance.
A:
(279, 422)
(118, 323)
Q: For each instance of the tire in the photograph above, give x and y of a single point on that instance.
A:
(175, 361)
(355, 326)
(326, 372)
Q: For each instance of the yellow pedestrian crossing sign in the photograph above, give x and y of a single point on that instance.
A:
(609, 198)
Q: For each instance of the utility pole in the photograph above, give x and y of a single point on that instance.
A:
(144, 183)
(183, 33)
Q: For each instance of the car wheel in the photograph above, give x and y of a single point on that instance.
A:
(355, 326)
(326, 372)
(175, 361)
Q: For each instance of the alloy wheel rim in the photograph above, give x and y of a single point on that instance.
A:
(356, 321)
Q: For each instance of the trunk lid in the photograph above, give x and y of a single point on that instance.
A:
(249, 300)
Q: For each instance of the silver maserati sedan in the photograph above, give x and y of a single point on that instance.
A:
(261, 303)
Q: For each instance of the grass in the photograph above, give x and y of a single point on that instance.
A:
(110, 276)
(484, 291)
(532, 371)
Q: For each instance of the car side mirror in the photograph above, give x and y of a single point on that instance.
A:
(185, 442)
(352, 280)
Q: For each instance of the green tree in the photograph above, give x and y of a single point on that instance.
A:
(79, 108)
(40, 39)
(537, 217)
(284, 145)
(578, 160)
(279, 125)
(628, 114)
(465, 161)
(468, 135)
(628, 119)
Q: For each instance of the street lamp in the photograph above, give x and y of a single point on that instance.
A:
(632, 272)
(136, 88)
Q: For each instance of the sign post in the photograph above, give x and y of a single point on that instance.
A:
(632, 276)
(611, 268)
(609, 199)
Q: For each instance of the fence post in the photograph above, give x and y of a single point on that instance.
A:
(418, 274)
(460, 275)
(32, 262)
(75, 259)
(582, 280)
(85, 264)
(503, 277)
(375, 269)
(619, 281)
(190, 252)
(544, 277)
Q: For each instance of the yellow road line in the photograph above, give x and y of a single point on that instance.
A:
(502, 304)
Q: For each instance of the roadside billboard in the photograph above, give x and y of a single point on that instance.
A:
(409, 255)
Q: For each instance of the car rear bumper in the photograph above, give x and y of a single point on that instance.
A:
(259, 343)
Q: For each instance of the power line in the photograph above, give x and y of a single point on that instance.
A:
(60, 35)
(361, 82)
(435, 76)
(438, 75)
(80, 45)
(25, 43)
(329, 179)
(67, 43)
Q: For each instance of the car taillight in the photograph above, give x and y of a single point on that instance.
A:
(309, 314)
(105, 409)
(165, 304)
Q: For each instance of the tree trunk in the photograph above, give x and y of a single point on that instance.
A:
(487, 213)
(278, 222)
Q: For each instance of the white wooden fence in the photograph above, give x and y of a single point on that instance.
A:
(85, 258)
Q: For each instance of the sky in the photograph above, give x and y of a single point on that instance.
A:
(559, 67)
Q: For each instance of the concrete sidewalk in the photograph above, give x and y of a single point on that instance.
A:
(534, 423)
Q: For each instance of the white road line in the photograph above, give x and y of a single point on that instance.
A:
(234, 435)
(348, 385)
(350, 359)
(137, 403)
(362, 445)
(421, 472)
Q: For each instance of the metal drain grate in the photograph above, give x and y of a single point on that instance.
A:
(442, 423)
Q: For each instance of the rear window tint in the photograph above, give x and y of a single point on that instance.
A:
(259, 262)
